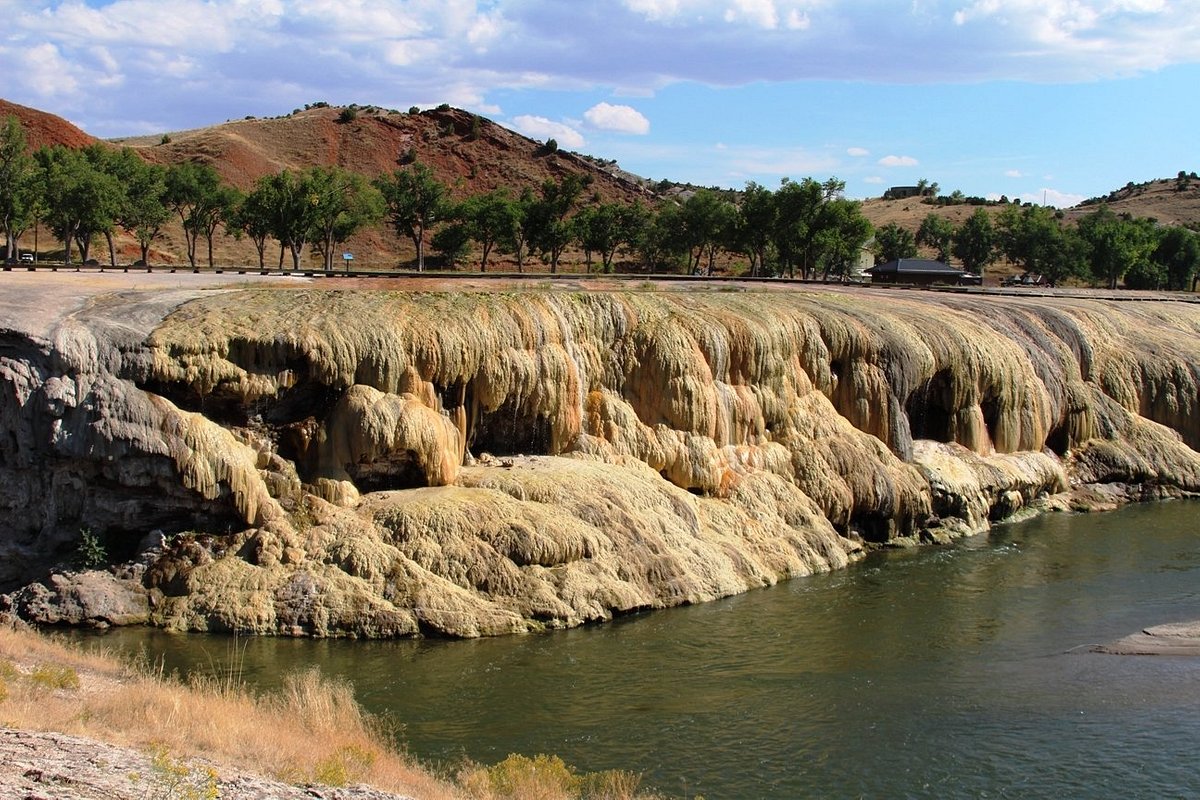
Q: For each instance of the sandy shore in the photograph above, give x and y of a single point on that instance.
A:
(1177, 639)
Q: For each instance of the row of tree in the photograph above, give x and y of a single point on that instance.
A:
(87, 195)
(803, 227)
(1103, 247)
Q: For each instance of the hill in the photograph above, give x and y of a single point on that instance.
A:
(472, 154)
(43, 129)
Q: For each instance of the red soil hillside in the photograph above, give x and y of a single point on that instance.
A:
(469, 156)
(45, 130)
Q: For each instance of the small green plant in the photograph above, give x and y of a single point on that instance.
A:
(348, 115)
(54, 676)
(444, 107)
(349, 763)
(166, 139)
(90, 553)
(175, 779)
(520, 776)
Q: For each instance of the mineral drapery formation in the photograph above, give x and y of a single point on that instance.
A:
(355, 462)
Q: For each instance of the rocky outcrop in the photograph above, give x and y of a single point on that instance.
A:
(370, 463)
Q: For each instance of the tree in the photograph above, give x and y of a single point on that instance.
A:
(491, 219)
(452, 241)
(663, 243)
(414, 201)
(974, 242)
(550, 231)
(82, 201)
(337, 203)
(893, 242)
(1116, 246)
(936, 232)
(755, 222)
(253, 217)
(801, 210)
(708, 221)
(196, 194)
(1178, 251)
(843, 233)
(18, 176)
(597, 228)
(142, 207)
(1031, 237)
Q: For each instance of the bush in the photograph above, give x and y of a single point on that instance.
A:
(54, 676)
(90, 553)
(414, 110)
(166, 139)
(348, 115)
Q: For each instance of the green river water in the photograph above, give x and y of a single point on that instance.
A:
(941, 672)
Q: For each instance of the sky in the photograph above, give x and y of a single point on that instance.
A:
(1049, 101)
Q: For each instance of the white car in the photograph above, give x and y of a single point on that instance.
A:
(26, 258)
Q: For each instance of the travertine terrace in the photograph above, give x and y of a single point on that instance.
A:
(332, 459)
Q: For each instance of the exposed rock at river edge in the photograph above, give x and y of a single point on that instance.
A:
(304, 460)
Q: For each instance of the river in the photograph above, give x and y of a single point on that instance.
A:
(958, 671)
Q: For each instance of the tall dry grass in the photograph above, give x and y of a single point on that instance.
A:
(313, 730)
(310, 731)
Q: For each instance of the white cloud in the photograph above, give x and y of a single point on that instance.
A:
(857, 152)
(1013, 173)
(1053, 197)
(873, 179)
(761, 13)
(784, 162)
(542, 129)
(621, 119)
(898, 161)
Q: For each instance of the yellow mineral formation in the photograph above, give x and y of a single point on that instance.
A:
(482, 463)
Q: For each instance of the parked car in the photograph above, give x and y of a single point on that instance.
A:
(1026, 279)
(26, 258)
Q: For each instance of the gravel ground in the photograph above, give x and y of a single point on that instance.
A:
(55, 766)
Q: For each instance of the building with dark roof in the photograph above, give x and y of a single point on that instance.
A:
(916, 271)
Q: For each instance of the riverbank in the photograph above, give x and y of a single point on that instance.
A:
(82, 725)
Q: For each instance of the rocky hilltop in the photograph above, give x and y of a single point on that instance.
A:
(289, 458)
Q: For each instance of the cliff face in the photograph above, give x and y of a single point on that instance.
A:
(381, 463)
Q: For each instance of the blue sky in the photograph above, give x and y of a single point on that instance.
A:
(1054, 99)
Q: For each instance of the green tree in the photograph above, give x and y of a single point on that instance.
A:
(1178, 251)
(843, 233)
(18, 184)
(893, 242)
(974, 242)
(755, 222)
(195, 192)
(338, 203)
(491, 219)
(936, 232)
(708, 221)
(550, 230)
(452, 241)
(82, 200)
(142, 210)
(287, 206)
(414, 201)
(1032, 238)
(663, 244)
(252, 216)
(1116, 246)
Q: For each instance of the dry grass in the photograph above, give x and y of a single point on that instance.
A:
(311, 731)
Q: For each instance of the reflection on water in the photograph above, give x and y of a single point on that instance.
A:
(947, 672)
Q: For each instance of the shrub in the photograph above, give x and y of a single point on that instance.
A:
(414, 110)
(54, 676)
(348, 115)
(166, 139)
(551, 146)
(90, 553)
(347, 764)
(444, 107)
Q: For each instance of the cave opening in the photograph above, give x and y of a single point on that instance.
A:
(991, 417)
(929, 408)
(511, 431)
(1059, 439)
(399, 470)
